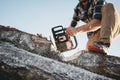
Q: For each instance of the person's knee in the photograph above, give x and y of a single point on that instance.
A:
(108, 7)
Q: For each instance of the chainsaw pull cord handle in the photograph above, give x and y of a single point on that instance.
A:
(75, 40)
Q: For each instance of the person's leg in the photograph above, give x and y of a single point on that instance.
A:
(110, 24)
(110, 27)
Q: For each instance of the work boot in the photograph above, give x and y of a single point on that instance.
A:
(100, 47)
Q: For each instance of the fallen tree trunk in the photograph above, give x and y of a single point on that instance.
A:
(95, 62)
(18, 64)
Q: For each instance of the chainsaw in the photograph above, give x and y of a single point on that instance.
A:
(63, 41)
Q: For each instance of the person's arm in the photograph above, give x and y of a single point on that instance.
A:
(91, 26)
(96, 22)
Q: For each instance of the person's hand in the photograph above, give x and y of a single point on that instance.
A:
(71, 31)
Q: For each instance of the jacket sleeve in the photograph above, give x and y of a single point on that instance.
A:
(75, 18)
(97, 11)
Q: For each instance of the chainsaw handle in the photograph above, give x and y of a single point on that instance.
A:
(76, 43)
(75, 40)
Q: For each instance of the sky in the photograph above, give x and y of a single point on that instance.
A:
(39, 16)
